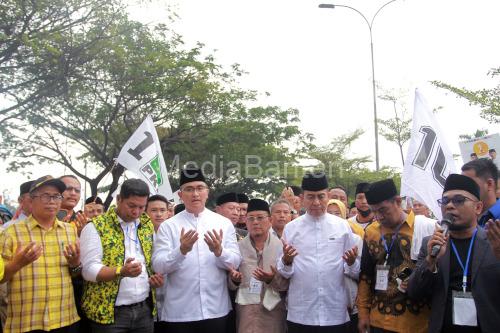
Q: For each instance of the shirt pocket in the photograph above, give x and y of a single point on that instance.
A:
(334, 251)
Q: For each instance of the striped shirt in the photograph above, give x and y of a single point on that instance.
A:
(40, 295)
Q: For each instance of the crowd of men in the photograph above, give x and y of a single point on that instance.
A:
(307, 262)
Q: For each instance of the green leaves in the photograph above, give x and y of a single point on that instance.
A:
(344, 170)
(487, 99)
(93, 75)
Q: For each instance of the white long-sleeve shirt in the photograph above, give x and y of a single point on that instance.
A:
(132, 290)
(317, 294)
(196, 285)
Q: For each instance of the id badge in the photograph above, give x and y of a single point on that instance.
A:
(382, 280)
(255, 286)
(464, 309)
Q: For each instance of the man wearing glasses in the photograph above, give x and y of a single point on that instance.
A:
(41, 255)
(196, 293)
(259, 308)
(458, 269)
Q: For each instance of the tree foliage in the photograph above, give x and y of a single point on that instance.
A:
(479, 133)
(487, 99)
(196, 105)
(42, 44)
(344, 170)
(398, 128)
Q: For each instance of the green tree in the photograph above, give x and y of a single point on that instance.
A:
(345, 171)
(397, 129)
(197, 107)
(487, 99)
(42, 43)
(479, 133)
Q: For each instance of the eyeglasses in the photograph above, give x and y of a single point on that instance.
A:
(256, 218)
(46, 198)
(191, 189)
(457, 200)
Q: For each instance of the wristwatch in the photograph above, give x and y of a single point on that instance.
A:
(118, 271)
(76, 270)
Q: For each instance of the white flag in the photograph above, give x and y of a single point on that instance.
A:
(142, 155)
(429, 160)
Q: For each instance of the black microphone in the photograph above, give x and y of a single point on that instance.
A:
(445, 225)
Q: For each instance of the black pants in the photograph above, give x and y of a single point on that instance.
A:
(66, 329)
(299, 328)
(84, 324)
(353, 325)
(216, 325)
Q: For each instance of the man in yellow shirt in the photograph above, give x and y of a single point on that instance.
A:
(41, 254)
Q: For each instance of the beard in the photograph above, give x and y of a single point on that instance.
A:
(365, 213)
(457, 227)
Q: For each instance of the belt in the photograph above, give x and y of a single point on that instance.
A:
(133, 305)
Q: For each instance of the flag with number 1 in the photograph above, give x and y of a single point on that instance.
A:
(429, 160)
(142, 155)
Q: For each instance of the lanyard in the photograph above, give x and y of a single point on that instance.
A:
(389, 249)
(466, 267)
(135, 240)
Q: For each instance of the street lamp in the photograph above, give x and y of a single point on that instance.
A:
(370, 26)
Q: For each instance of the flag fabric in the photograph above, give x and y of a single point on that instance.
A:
(429, 160)
(142, 155)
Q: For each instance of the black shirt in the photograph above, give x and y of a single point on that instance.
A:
(456, 276)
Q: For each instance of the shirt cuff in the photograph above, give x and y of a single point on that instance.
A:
(352, 270)
(90, 273)
(285, 270)
(224, 260)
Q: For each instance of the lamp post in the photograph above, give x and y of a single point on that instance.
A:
(370, 26)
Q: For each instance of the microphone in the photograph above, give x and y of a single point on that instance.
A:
(445, 223)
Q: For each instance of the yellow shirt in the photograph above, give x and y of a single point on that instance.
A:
(40, 295)
(357, 229)
(391, 309)
(2, 268)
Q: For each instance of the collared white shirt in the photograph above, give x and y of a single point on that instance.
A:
(196, 284)
(132, 290)
(317, 294)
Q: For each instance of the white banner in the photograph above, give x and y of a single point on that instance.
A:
(483, 147)
(142, 155)
(429, 160)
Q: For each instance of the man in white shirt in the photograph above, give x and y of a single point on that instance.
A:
(318, 249)
(116, 250)
(196, 292)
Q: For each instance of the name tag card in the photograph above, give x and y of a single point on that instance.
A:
(255, 286)
(382, 280)
(464, 309)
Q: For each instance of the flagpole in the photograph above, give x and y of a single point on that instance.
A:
(374, 88)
